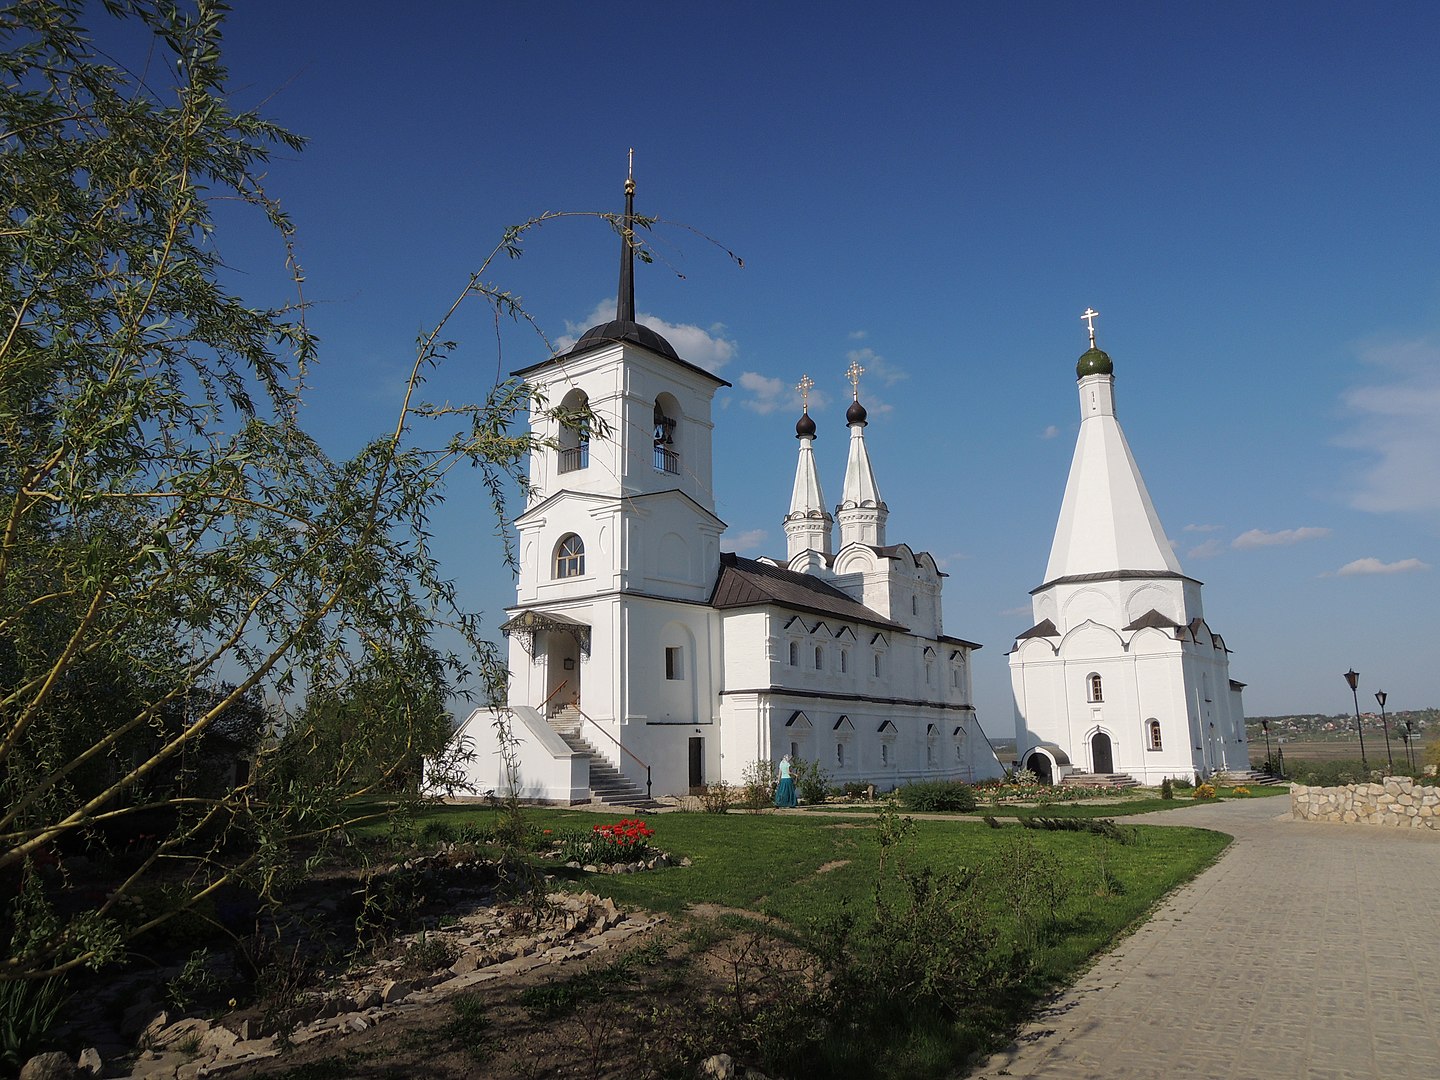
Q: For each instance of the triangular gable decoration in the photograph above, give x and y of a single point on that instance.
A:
(843, 724)
(887, 728)
(799, 721)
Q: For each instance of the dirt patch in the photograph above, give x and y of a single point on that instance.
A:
(715, 911)
(834, 865)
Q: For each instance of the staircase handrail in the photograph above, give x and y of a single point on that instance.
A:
(623, 748)
(563, 684)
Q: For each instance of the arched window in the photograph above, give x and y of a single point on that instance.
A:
(570, 557)
(819, 658)
(844, 661)
(839, 755)
(877, 665)
(574, 439)
(667, 458)
(1093, 683)
(794, 653)
(1153, 731)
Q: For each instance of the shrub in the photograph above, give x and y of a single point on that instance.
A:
(1205, 791)
(760, 779)
(856, 789)
(1167, 788)
(811, 781)
(717, 797)
(1181, 784)
(931, 795)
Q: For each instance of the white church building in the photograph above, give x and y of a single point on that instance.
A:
(1120, 674)
(644, 660)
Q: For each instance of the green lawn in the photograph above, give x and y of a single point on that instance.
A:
(1060, 896)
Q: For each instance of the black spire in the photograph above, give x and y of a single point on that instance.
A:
(625, 298)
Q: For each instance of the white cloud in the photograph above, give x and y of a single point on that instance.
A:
(859, 335)
(766, 394)
(1024, 610)
(1207, 550)
(1375, 566)
(750, 540)
(876, 367)
(1050, 432)
(945, 561)
(1256, 538)
(1202, 528)
(708, 349)
(1397, 425)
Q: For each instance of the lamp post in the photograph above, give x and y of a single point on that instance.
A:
(1265, 727)
(1353, 678)
(1380, 697)
(1409, 741)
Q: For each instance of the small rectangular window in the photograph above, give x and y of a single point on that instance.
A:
(819, 658)
(844, 661)
(674, 662)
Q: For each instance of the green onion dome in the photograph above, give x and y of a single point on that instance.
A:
(1094, 362)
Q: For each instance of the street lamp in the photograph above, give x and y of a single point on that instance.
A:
(1353, 678)
(1409, 740)
(1269, 762)
(1380, 697)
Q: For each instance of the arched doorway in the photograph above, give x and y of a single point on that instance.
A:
(1039, 764)
(1101, 759)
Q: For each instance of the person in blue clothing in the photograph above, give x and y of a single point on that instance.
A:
(785, 790)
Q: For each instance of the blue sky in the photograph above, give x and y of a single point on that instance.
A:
(1246, 193)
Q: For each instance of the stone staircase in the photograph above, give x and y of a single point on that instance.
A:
(1107, 780)
(607, 783)
(1253, 778)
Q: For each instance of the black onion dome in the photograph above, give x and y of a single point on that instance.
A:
(623, 330)
(855, 414)
(805, 427)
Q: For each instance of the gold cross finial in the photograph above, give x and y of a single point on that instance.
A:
(804, 386)
(1089, 318)
(630, 177)
(853, 373)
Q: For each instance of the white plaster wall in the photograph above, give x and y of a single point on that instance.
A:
(549, 771)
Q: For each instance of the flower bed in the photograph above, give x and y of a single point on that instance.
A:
(624, 844)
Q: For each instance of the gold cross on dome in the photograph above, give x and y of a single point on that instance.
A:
(805, 385)
(1089, 316)
(853, 373)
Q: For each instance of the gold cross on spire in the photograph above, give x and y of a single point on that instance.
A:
(853, 373)
(1089, 318)
(805, 385)
(630, 176)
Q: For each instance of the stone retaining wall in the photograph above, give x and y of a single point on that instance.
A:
(1396, 801)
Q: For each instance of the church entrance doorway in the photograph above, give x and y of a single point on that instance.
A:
(1101, 759)
(562, 690)
(697, 764)
(1039, 764)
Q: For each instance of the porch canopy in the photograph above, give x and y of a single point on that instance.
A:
(532, 621)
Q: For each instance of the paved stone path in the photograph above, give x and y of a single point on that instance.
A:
(1307, 951)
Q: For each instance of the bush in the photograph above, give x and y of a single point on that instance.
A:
(717, 797)
(856, 789)
(1167, 788)
(760, 779)
(932, 795)
(1181, 784)
(1205, 791)
(811, 781)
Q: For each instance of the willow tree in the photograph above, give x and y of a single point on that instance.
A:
(166, 525)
